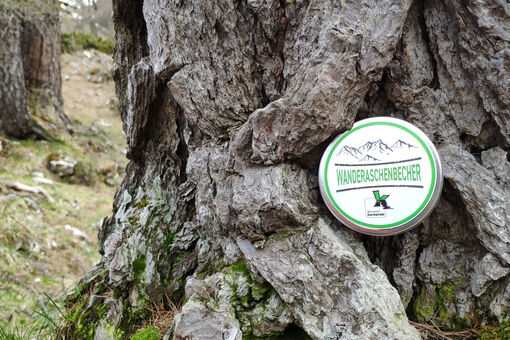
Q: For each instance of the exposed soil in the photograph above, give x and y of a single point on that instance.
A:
(47, 244)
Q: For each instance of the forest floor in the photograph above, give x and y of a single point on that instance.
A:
(48, 230)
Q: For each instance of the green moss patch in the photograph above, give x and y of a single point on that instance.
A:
(149, 333)
(495, 332)
(169, 240)
(138, 268)
(438, 304)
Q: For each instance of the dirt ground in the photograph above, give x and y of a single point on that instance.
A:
(48, 240)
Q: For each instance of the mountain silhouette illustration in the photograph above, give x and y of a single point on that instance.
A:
(400, 144)
(374, 147)
(372, 151)
(350, 152)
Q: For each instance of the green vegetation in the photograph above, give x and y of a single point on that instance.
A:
(169, 240)
(149, 333)
(143, 203)
(22, 332)
(495, 332)
(138, 268)
(439, 305)
(43, 326)
(77, 41)
(246, 302)
(48, 241)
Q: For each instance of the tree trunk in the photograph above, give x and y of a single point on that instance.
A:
(41, 53)
(14, 117)
(228, 106)
(38, 44)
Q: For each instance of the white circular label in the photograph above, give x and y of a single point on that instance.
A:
(381, 177)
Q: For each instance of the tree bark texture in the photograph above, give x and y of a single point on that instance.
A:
(33, 55)
(14, 117)
(41, 53)
(228, 106)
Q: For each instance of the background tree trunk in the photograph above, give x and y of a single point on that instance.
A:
(14, 117)
(38, 53)
(41, 53)
(228, 106)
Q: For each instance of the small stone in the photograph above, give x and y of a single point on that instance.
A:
(34, 247)
(103, 123)
(76, 205)
(51, 244)
(32, 205)
(109, 182)
(43, 180)
(37, 174)
(77, 232)
(29, 189)
(61, 165)
(8, 198)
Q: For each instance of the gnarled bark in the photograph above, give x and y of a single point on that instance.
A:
(227, 106)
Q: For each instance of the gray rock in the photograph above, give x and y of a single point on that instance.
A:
(9, 198)
(42, 180)
(27, 189)
(61, 165)
(32, 204)
(77, 233)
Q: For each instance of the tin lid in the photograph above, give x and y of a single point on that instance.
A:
(382, 177)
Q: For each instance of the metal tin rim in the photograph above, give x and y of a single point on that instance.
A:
(438, 185)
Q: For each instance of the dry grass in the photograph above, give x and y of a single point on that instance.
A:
(38, 254)
(433, 332)
(162, 314)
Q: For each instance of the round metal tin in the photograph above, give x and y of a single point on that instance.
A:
(382, 177)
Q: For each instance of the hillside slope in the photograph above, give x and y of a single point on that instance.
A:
(48, 222)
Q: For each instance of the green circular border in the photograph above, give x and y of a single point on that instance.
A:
(405, 220)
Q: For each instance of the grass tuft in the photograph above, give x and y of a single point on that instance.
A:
(77, 41)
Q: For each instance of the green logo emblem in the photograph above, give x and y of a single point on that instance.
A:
(381, 201)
